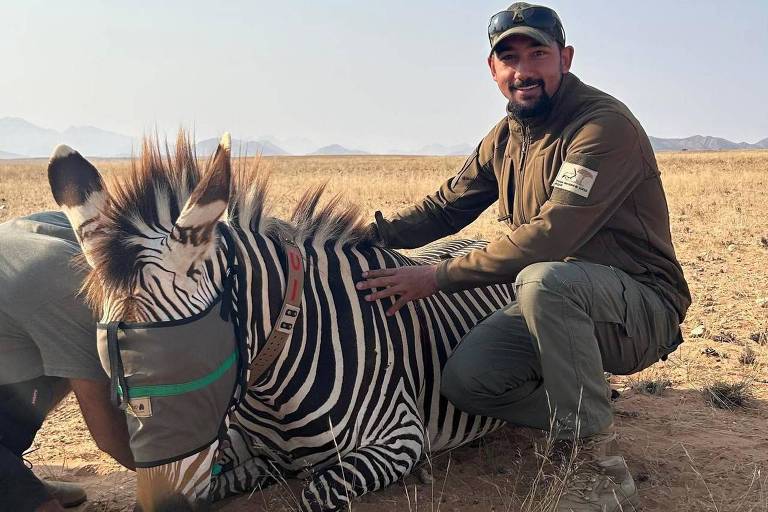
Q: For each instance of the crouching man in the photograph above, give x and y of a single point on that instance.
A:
(589, 250)
(47, 349)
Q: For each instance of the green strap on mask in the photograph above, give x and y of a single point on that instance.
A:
(180, 389)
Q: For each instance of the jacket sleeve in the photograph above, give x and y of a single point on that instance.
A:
(603, 165)
(458, 202)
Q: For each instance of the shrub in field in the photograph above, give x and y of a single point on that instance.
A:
(728, 395)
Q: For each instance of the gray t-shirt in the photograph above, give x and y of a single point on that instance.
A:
(45, 328)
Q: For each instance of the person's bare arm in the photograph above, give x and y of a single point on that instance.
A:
(105, 422)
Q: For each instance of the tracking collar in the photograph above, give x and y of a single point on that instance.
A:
(289, 312)
(286, 321)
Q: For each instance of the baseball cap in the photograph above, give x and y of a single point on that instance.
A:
(535, 21)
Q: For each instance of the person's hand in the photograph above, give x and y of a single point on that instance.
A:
(407, 283)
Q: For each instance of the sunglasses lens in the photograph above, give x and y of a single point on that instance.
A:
(501, 22)
(539, 17)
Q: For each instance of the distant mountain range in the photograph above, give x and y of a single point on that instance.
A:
(21, 139)
(703, 143)
(241, 147)
(335, 149)
(4, 155)
(24, 138)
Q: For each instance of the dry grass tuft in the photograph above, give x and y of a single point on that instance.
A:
(728, 395)
(724, 337)
(651, 386)
(761, 338)
(748, 356)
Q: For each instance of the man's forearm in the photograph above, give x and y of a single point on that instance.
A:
(117, 444)
(409, 229)
(105, 422)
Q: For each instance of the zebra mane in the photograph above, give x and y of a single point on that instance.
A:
(146, 201)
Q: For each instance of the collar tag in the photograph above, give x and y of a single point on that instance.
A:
(286, 321)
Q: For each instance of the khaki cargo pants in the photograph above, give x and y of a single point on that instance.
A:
(539, 362)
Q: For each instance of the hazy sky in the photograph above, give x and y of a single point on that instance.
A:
(369, 75)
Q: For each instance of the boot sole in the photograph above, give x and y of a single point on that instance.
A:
(74, 503)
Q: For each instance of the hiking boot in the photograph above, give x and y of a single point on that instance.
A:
(566, 451)
(66, 493)
(600, 485)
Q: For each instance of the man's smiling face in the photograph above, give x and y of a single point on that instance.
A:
(529, 73)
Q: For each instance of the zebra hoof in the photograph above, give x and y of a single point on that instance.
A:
(424, 475)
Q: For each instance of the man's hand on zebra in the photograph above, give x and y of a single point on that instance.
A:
(407, 283)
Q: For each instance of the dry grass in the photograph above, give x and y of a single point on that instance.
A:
(728, 395)
(685, 455)
(748, 356)
(651, 386)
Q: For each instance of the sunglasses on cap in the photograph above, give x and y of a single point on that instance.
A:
(538, 17)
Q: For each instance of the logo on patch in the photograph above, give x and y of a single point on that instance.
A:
(575, 178)
(140, 407)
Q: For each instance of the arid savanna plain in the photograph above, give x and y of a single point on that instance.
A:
(694, 429)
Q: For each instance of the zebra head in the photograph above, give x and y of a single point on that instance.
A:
(155, 258)
(148, 254)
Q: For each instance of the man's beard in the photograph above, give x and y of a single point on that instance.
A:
(540, 108)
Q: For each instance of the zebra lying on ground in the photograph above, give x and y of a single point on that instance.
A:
(352, 402)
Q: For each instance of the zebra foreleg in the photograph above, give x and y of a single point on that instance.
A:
(364, 470)
(239, 469)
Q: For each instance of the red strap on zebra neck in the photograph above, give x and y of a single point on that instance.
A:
(286, 321)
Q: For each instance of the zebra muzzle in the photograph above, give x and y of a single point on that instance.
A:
(176, 381)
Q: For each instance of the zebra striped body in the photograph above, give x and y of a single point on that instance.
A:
(351, 378)
(352, 402)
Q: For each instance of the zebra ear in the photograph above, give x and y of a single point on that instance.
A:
(193, 232)
(78, 189)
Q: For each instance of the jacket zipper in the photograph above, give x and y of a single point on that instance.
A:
(519, 186)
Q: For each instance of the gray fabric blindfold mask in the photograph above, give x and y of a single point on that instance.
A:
(176, 380)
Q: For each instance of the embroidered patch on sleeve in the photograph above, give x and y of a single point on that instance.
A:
(575, 178)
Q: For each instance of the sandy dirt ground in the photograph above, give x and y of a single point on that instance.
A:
(685, 454)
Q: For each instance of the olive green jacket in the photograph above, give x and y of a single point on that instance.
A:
(581, 184)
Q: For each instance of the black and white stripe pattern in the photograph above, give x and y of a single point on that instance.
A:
(353, 401)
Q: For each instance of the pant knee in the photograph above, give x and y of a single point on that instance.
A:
(469, 386)
(456, 384)
(480, 390)
(546, 281)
